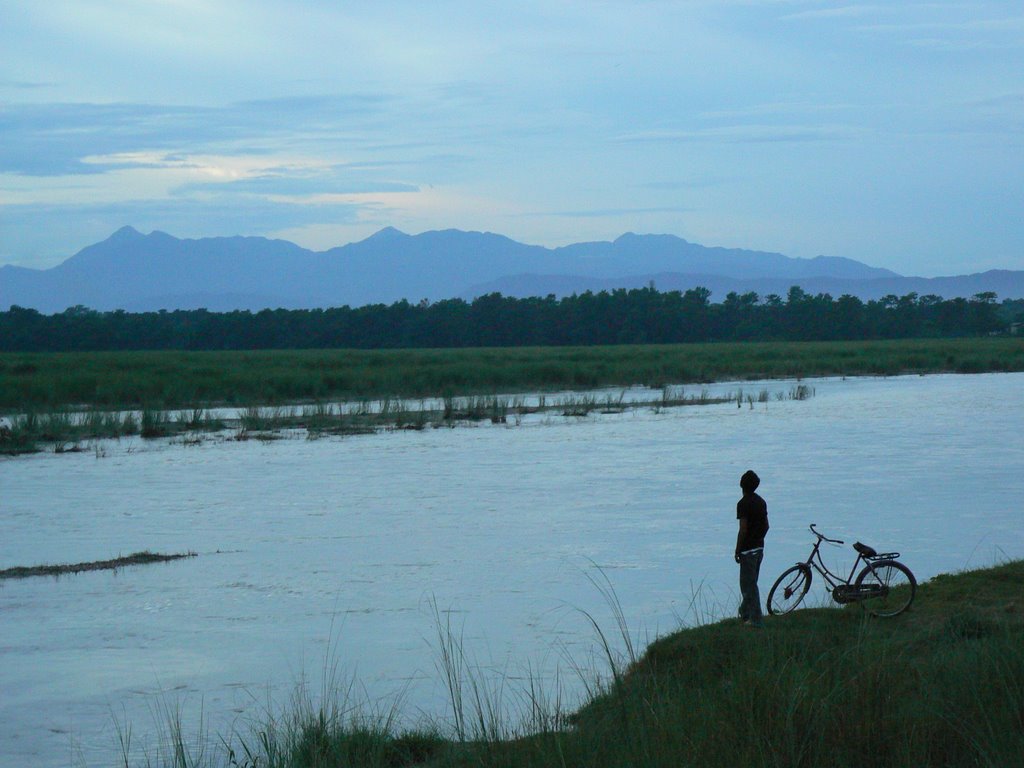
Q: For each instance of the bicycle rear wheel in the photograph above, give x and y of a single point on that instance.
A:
(896, 587)
(789, 589)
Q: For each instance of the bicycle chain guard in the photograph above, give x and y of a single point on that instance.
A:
(850, 593)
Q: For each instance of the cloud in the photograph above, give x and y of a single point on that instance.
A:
(283, 178)
(953, 29)
(839, 12)
(25, 85)
(56, 138)
(743, 134)
(682, 186)
(779, 108)
(949, 27)
(599, 213)
(53, 139)
(297, 187)
(1004, 24)
(1008, 101)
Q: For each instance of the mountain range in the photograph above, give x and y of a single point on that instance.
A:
(138, 272)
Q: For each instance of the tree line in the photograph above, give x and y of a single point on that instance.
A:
(637, 316)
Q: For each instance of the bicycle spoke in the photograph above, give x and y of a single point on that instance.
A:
(896, 587)
(789, 589)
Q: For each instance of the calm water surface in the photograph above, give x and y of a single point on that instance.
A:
(341, 549)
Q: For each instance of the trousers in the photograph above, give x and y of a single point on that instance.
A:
(750, 569)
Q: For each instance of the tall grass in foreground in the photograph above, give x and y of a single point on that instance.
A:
(812, 691)
(332, 729)
(942, 685)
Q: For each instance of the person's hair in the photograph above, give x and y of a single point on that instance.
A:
(749, 481)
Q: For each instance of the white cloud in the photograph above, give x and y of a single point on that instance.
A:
(748, 134)
(839, 12)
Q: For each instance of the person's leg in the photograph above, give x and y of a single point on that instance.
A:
(742, 610)
(745, 584)
(750, 569)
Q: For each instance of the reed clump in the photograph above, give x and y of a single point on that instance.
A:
(65, 429)
(154, 423)
(138, 558)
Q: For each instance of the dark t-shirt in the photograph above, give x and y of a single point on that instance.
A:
(752, 507)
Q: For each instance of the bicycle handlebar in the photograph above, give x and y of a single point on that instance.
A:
(825, 538)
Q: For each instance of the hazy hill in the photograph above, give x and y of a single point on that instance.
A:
(135, 272)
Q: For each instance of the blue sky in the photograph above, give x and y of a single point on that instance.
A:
(888, 132)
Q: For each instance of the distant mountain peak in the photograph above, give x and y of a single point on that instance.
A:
(385, 235)
(126, 233)
(633, 237)
(129, 235)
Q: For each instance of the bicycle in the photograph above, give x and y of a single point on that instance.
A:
(885, 586)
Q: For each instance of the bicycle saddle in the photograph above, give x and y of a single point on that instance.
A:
(865, 550)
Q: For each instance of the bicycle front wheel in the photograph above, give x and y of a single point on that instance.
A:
(895, 586)
(789, 589)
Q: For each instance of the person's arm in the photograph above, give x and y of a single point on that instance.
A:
(741, 536)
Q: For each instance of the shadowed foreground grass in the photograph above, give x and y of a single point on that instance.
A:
(941, 685)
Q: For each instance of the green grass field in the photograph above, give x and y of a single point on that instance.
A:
(190, 379)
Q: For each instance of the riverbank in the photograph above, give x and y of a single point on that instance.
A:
(186, 380)
(940, 685)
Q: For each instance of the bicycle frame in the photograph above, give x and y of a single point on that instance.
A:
(879, 574)
(832, 579)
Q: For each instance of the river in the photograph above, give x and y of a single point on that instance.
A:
(341, 553)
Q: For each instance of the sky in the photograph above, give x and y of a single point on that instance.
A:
(887, 132)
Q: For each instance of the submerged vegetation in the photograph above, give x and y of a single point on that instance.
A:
(942, 685)
(138, 558)
(64, 431)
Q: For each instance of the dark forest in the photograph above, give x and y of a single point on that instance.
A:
(638, 316)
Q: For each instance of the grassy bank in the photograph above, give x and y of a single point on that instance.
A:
(942, 685)
(188, 379)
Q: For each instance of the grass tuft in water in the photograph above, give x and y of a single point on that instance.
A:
(154, 423)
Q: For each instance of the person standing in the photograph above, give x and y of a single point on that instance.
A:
(752, 513)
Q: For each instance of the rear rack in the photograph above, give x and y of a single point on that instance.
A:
(883, 556)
